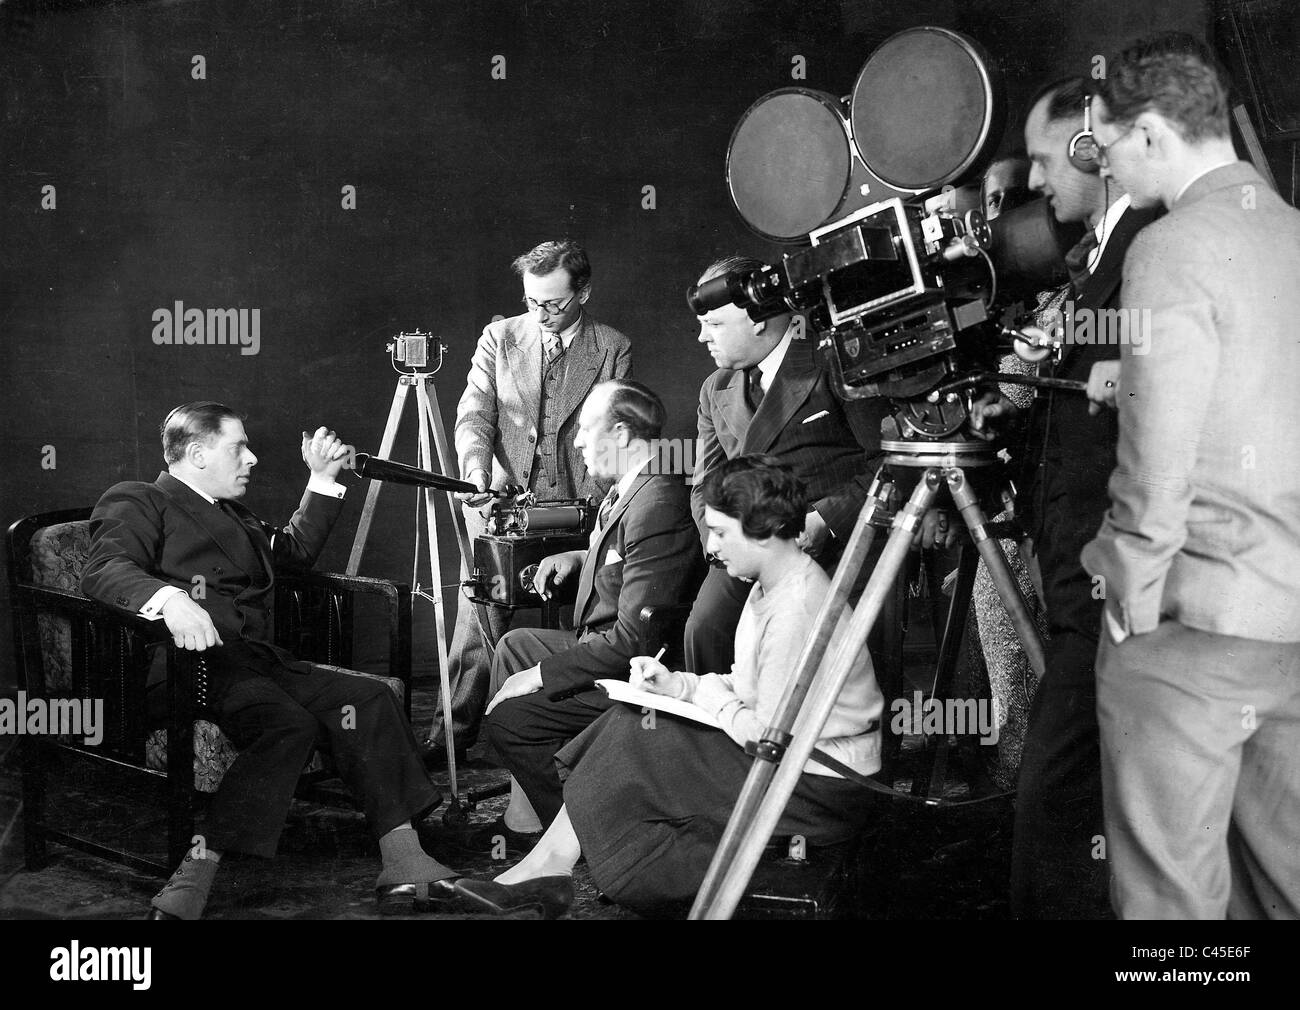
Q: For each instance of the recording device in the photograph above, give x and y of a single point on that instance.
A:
(905, 290)
(416, 353)
(519, 533)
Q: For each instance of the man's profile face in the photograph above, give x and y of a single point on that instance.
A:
(547, 292)
(598, 438)
(731, 337)
(1070, 192)
(225, 462)
(1127, 157)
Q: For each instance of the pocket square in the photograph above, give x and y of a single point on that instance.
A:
(613, 557)
(815, 417)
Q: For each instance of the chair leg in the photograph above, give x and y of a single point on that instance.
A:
(35, 850)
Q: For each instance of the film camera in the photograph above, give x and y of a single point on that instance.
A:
(905, 288)
(520, 532)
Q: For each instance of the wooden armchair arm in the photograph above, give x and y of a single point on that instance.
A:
(663, 626)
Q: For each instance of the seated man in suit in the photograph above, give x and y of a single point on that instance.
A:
(515, 425)
(770, 394)
(150, 544)
(644, 551)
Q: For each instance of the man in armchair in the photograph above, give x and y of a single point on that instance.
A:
(186, 551)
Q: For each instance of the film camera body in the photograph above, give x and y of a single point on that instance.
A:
(520, 532)
(904, 286)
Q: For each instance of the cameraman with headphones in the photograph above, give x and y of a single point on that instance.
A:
(1055, 872)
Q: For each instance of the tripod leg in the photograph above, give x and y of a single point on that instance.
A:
(802, 714)
(435, 569)
(996, 562)
(372, 492)
(932, 772)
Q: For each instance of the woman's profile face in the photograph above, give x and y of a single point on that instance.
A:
(728, 543)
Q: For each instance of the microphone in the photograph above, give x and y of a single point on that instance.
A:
(399, 473)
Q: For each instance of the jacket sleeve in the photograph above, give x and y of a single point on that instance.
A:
(476, 414)
(661, 562)
(300, 542)
(1166, 387)
(840, 508)
(125, 539)
(708, 456)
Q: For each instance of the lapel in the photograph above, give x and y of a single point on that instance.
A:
(733, 414)
(585, 358)
(1100, 287)
(596, 552)
(523, 353)
(236, 543)
(794, 381)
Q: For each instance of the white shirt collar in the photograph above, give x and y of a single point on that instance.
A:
(625, 482)
(1106, 228)
(203, 494)
(767, 368)
(1200, 175)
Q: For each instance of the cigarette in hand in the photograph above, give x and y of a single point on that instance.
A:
(660, 654)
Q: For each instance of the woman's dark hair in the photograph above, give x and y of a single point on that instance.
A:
(760, 491)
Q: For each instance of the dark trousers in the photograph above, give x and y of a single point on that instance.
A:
(710, 636)
(276, 717)
(1058, 864)
(524, 734)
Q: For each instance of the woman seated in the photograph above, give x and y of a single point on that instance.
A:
(646, 799)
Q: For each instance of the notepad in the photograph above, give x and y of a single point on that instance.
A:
(621, 690)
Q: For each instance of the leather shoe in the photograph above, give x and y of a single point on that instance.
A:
(483, 838)
(158, 913)
(549, 896)
(440, 896)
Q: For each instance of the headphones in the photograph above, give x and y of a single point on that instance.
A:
(1083, 150)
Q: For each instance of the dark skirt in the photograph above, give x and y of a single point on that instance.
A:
(649, 801)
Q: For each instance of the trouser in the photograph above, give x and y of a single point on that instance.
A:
(276, 717)
(525, 733)
(1200, 767)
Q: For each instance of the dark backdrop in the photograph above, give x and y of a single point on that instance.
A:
(225, 192)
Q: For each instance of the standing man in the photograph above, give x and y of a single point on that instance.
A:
(644, 552)
(515, 425)
(1198, 690)
(1056, 871)
(770, 394)
(148, 544)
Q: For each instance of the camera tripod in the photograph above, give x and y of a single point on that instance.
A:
(430, 421)
(781, 754)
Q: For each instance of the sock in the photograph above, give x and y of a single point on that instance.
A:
(405, 862)
(520, 815)
(186, 894)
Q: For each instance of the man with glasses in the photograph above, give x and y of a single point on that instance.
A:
(515, 425)
(1198, 673)
(1070, 443)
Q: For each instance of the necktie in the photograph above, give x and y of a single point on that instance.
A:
(552, 348)
(754, 386)
(607, 507)
(1076, 260)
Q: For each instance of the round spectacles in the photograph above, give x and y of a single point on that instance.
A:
(1103, 150)
(552, 308)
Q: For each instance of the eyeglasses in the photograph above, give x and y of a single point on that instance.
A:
(1103, 150)
(552, 308)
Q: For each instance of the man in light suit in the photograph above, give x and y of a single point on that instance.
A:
(1198, 692)
(150, 545)
(1055, 872)
(645, 551)
(515, 425)
(770, 394)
